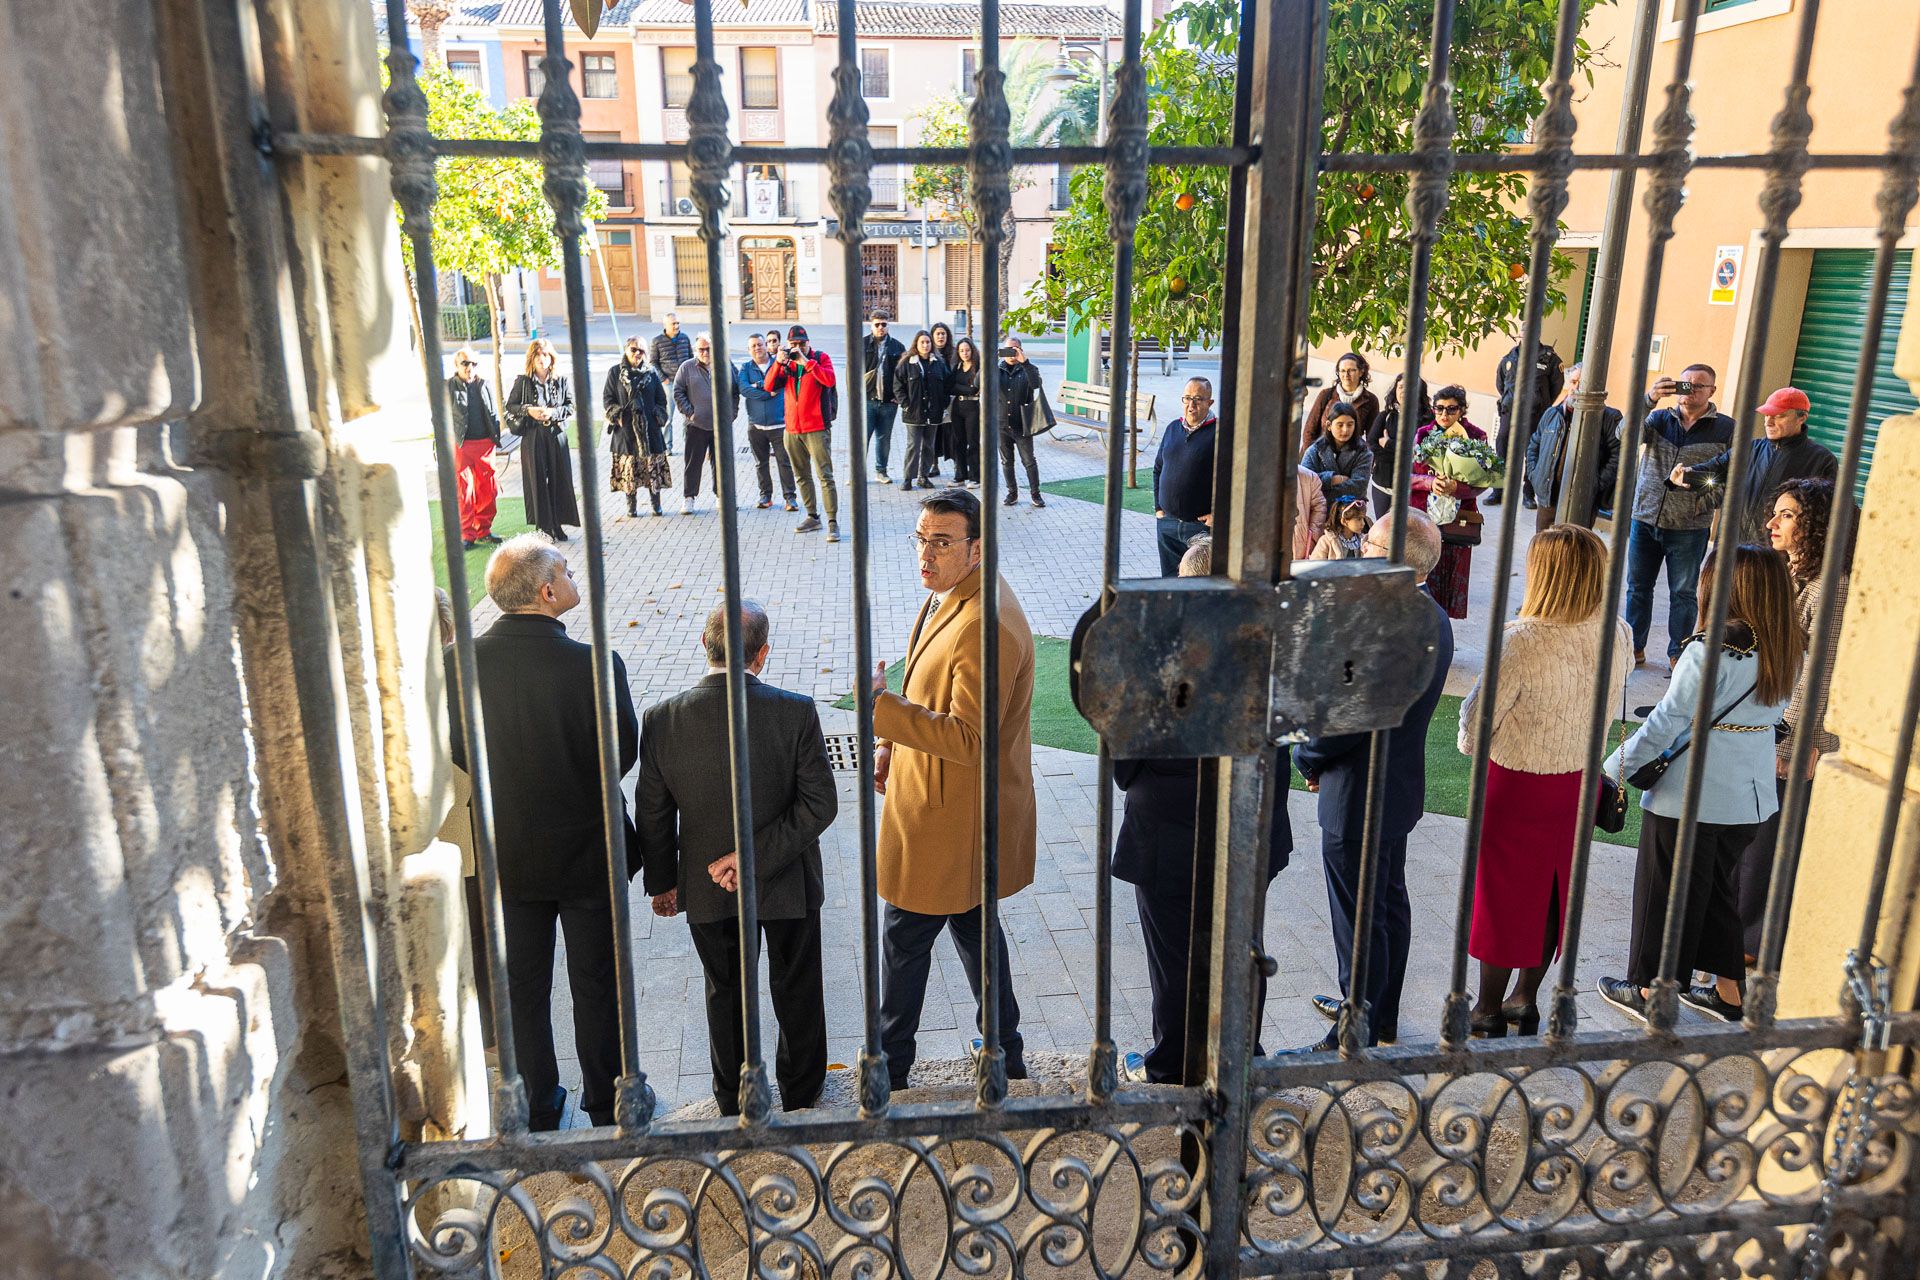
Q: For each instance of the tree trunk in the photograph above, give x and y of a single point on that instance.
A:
(1133, 412)
(1007, 228)
(431, 15)
(490, 283)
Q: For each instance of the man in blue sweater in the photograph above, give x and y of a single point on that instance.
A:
(767, 423)
(1183, 476)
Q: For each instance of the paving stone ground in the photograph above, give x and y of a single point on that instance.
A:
(663, 576)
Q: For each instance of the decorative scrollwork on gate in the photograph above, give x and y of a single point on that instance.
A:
(1112, 1201)
(1413, 1163)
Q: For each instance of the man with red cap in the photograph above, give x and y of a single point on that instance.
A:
(1784, 453)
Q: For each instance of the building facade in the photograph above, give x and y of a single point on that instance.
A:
(1706, 307)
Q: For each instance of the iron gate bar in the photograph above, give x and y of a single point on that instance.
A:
(565, 187)
(1897, 197)
(989, 163)
(1288, 48)
(709, 155)
(1427, 193)
(1666, 193)
(1125, 196)
(408, 146)
(850, 159)
(1554, 130)
(1779, 197)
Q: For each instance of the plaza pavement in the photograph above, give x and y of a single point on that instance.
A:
(663, 576)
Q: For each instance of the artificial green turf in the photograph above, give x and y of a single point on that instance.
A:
(1058, 723)
(509, 518)
(1094, 489)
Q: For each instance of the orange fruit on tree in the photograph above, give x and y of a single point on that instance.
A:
(1516, 270)
(1185, 201)
(1178, 286)
(1367, 191)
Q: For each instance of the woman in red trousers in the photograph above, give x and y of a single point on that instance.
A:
(1534, 803)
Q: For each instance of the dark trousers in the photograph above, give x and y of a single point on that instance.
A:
(966, 440)
(1009, 441)
(907, 939)
(699, 453)
(1709, 915)
(1166, 925)
(482, 975)
(1392, 933)
(1174, 536)
(1680, 551)
(920, 458)
(799, 1006)
(880, 433)
(1755, 877)
(588, 925)
(1379, 500)
(770, 444)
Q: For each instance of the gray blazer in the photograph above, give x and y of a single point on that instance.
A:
(693, 394)
(684, 799)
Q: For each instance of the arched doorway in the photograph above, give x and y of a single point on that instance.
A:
(769, 279)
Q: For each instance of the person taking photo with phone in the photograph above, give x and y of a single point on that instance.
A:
(1019, 390)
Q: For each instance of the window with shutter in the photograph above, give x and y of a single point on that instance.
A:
(690, 271)
(464, 64)
(876, 73)
(963, 276)
(759, 80)
(676, 77)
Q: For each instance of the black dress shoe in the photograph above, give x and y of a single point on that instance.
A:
(1524, 1017)
(1325, 1044)
(1489, 1026)
(494, 538)
(1491, 499)
(1327, 1007)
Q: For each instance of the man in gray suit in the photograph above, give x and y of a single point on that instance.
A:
(684, 805)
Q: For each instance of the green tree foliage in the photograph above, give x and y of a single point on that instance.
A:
(491, 216)
(1375, 76)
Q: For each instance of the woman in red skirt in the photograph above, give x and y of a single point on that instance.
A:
(1534, 804)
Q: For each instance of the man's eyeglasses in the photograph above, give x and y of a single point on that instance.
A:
(464, 364)
(940, 545)
(1196, 399)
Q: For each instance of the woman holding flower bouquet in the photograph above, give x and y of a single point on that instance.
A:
(1452, 464)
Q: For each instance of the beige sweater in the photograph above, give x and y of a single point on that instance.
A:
(1807, 604)
(1546, 687)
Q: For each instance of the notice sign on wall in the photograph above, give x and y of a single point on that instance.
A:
(1726, 274)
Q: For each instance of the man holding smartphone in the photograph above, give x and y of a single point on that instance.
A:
(1019, 386)
(1670, 523)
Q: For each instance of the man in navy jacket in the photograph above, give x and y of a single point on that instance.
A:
(1154, 853)
(1336, 767)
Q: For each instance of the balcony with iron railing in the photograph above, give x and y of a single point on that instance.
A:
(754, 200)
(610, 176)
(679, 90)
(886, 189)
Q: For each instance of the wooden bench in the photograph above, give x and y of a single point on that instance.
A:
(1084, 405)
(1150, 349)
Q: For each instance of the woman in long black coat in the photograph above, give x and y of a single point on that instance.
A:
(538, 408)
(635, 402)
(963, 412)
(945, 444)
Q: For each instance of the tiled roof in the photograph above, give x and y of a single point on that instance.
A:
(726, 13)
(884, 18)
(532, 13)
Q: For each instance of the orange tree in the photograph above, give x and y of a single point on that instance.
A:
(1375, 76)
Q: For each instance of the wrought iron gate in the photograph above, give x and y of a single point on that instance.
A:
(1755, 1148)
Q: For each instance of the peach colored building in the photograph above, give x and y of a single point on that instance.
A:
(603, 78)
(1741, 59)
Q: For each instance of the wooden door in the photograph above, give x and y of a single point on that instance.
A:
(880, 278)
(617, 258)
(770, 284)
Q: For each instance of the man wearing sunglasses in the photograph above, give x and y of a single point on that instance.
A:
(477, 486)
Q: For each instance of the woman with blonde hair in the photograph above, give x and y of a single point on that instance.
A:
(537, 410)
(1759, 660)
(1534, 804)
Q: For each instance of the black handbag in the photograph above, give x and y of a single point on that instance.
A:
(1610, 806)
(1655, 769)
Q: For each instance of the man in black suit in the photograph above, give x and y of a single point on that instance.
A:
(685, 805)
(537, 706)
(1154, 853)
(1336, 767)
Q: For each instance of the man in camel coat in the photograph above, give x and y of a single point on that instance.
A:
(927, 764)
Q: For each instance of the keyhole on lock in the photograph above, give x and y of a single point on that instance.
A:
(1182, 696)
(1346, 673)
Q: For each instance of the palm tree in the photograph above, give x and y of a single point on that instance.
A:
(430, 16)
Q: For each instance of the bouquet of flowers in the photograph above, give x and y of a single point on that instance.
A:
(1455, 455)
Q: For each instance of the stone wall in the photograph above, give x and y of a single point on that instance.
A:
(208, 398)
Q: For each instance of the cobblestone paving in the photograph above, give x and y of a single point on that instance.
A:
(663, 576)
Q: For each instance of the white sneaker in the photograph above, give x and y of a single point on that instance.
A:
(686, 506)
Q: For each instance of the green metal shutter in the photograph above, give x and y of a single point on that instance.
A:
(1828, 354)
(1586, 299)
